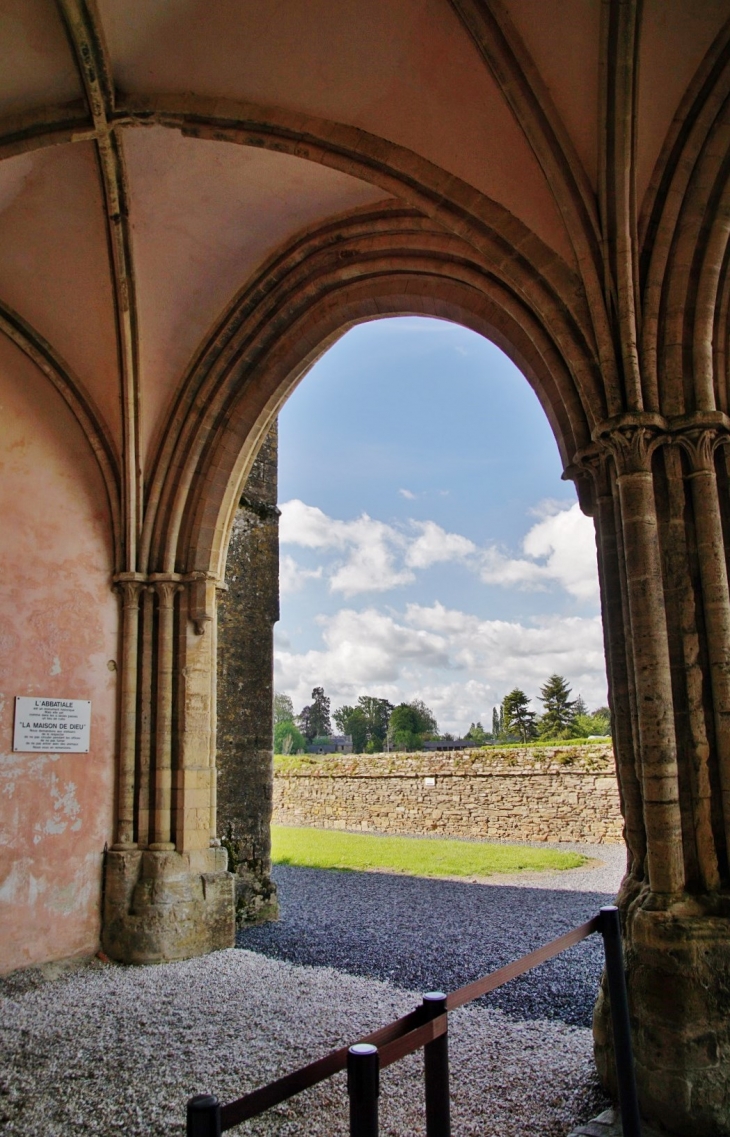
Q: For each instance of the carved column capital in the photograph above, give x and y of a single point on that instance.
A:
(699, 436)
(631, 444)
(166, 585)
(700, 445)
(130, 587)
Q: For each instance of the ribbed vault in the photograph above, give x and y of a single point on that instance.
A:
(195, 201)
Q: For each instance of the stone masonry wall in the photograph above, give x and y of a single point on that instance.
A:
(247, 612)
(561, 793)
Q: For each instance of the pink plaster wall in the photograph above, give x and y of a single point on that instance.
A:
(195, 245)
(54, 268)
(58, 632)
(403, 69)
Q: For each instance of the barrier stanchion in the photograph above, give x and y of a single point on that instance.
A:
(363, 1086)
(625, 1077)
(436, 1072)
(204, 1116)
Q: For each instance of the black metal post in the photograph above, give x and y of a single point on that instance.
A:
(436, 1072)
(625, 1077)
(204, 1116)
(363, 1086)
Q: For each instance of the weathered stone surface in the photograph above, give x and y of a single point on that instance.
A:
(678, 972)
(165, 906)
(561, 793)
(247, 612)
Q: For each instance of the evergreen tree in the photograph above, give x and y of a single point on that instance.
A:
(314, 719)
(495, 723)
(559, 713)
(517, 718)
(320, 718)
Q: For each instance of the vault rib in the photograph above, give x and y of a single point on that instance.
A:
(84, 30)
(527, 96)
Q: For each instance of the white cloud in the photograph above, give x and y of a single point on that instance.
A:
(408, 494)
(566, 538)
(370, 548)
(459, 663)
(366, 555)
(434, 544)
(370, 567)
(293, 576)
(563, 540)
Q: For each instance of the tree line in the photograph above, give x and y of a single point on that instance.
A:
(376, 724)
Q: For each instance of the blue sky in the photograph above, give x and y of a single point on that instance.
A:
(429, 548)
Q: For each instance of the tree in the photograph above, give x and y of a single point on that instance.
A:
(579, 706)
(409, 724)
(496, 725)
(585, 725)
(283, 708)
(287, 738)
(377, 714)
(557, 718)
(315, 718)
(476, 733)
(425, 717)
(352, 721)
(367, 723)
(517, 718)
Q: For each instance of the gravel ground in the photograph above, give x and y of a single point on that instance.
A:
(427, 934)
(116, 1051)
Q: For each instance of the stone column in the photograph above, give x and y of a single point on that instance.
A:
(166, 588)
(130, 587)
(619, 655)
(172, 898)
(247, 612)
(666, 541)
(652, 674)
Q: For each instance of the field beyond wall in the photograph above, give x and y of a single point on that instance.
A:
(542, 793)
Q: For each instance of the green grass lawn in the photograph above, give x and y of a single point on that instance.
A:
(418, 856)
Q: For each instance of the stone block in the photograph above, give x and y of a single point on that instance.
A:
(160, 907)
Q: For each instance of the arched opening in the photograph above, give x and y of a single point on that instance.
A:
(451, 585)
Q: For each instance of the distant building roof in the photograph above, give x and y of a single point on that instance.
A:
(332, 744)
(452, 744)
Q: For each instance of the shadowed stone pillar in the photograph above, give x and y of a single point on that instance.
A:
(247, 612)
(661, 504)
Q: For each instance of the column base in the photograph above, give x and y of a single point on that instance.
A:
(256, 899)
(162, 906)
(678, 962)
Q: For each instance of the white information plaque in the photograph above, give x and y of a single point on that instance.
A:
(52, 725)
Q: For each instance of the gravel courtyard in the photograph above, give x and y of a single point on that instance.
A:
(115, 1051)
(428, 934)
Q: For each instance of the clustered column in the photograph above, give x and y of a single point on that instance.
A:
(167, 724)
(662, 510)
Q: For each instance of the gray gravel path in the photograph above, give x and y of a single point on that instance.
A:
(115, 1052)
(427, 934)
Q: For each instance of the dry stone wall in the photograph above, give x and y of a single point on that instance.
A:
(561, 793)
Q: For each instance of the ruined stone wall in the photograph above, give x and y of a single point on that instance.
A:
(247, 612)
(561, 793)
